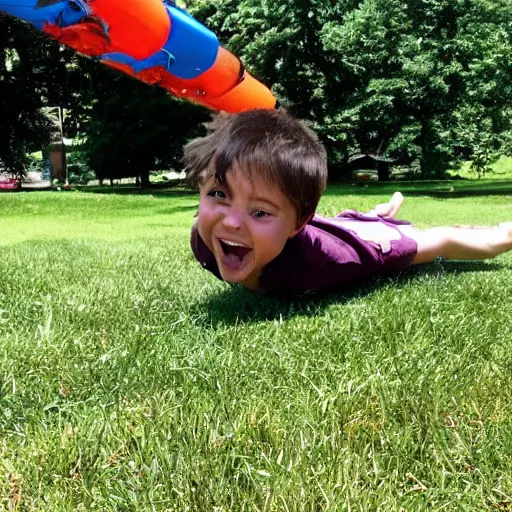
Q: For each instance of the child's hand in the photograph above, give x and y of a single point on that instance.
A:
(389, 210)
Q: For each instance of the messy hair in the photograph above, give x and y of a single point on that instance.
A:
(270, 144)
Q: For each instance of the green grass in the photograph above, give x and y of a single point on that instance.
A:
(133, 380)
(500, 170)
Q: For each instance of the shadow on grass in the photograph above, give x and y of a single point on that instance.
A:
(171, 191)
(176, 209)
(438, 189)
(236, 305)
(434, 188)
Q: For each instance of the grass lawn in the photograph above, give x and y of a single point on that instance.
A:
(500, 170)
(133, 380)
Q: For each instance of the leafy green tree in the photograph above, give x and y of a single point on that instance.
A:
(35, 72)
(132, 128)
(394, 78)
(420, 63)
(23, 128)
(425, 83)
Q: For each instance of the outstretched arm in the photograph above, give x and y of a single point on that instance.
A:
(462, 243)
(452, 243)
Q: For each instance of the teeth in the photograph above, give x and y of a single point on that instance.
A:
(232, 244)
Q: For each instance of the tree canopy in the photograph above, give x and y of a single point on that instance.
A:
(130, 128)
(23, 127)
(424, 84)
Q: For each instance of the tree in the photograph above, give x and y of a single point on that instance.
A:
(23, 127)
(132, 128)
(35, 72)
(425, 83)
(394, 78)
(423, 65)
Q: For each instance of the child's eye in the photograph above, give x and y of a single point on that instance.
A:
(219, 194)
(260, 214)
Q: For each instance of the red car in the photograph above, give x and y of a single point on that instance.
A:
(10, 183)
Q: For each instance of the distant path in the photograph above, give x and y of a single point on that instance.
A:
(33, 181)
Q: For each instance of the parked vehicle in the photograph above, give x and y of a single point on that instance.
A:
(10, 183)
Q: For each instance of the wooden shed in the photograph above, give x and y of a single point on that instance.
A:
(369, 162)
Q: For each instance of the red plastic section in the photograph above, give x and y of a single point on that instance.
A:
(87, 37)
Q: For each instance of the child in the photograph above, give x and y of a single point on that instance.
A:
(260, 175)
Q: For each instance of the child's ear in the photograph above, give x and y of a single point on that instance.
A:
(301, 226)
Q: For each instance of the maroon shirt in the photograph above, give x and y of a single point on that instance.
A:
(323, 256)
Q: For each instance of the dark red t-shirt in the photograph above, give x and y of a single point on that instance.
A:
(324, 256)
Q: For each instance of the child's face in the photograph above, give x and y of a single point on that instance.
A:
(245, 223)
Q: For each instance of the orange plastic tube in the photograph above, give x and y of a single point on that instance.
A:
(247, 95)
(222, 76)
(214, 82)
(88, 38)
(138, 28)
(218, 88)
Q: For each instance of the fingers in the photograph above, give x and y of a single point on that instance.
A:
(389, 210)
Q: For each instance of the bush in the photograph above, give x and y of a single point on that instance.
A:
(79, 174)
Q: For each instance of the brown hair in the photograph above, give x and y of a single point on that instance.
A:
(271, 143)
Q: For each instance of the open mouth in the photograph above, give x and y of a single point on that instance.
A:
(234, 253)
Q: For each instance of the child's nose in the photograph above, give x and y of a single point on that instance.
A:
(233, 219)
